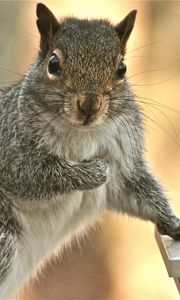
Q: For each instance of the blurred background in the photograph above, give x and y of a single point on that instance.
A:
(119, 259)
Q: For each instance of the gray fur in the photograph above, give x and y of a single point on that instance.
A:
(57, 174)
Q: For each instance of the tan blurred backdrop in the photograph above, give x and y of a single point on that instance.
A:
(121, 260)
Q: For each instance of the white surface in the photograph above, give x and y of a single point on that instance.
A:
(170, 251)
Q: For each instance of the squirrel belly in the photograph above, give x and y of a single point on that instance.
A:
(47, 228)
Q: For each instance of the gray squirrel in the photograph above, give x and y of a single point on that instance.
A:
(71, 145)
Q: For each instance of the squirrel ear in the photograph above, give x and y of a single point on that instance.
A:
(124, 29)
(47, 25)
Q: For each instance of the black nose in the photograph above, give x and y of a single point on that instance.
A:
(88, 108)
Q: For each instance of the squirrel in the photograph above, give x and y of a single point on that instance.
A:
(71, 145)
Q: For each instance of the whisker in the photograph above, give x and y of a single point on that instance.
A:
(162, 128)
(10, 71)
(38, 114)
(155, 83)
(135, 56)
(32, 49)
(9, 82)
(143, 46)
(169, 121)
(32, 34)
(157, 103)
(52, 119)
(116, 105)
(133, 130)
(138, 99)
(148, 71)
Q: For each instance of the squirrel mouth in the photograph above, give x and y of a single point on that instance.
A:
(88, 121)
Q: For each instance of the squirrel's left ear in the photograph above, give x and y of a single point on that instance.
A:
(47, 25)
(124, 29)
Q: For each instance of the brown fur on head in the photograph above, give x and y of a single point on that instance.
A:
(89, 53)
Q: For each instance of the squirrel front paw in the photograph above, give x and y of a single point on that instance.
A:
(171, 229)
(92, 174)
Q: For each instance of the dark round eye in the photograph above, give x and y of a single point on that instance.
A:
(121, 70)
(54, 67)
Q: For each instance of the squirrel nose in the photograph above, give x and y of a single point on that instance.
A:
(88, 108)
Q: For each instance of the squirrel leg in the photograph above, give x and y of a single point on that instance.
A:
(144, 198)
(45, 175)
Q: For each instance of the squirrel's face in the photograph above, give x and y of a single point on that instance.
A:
(83, 60)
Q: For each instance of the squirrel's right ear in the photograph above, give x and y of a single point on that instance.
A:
(47, 25)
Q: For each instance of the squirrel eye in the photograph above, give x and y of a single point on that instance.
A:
(121, 70)
(53, 67)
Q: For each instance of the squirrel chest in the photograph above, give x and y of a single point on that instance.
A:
(51, 223)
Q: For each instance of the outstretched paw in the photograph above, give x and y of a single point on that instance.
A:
(173, 231)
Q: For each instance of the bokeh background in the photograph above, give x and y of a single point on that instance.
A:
(119, 259)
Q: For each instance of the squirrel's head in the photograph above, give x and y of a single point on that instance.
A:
(82, 61)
